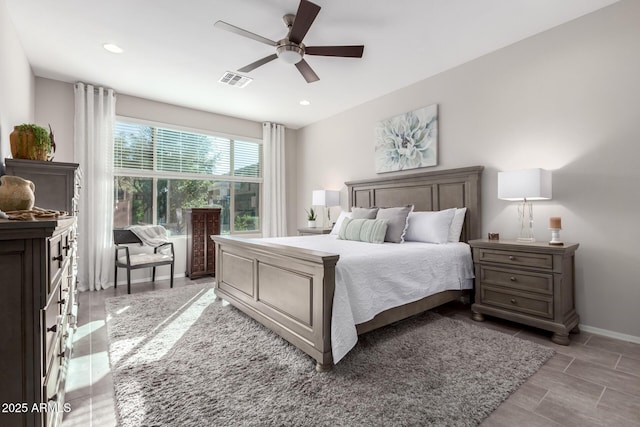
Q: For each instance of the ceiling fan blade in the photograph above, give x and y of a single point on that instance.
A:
(239, 31)
(305, 16)
(258, 63)
(343, 51)
(309, 75)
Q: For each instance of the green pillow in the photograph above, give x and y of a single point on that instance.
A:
(363, 230)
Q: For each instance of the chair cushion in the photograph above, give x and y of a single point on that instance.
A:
(138, 259)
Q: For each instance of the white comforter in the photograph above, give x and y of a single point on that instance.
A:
(371, 278)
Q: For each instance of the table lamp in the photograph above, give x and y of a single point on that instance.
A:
(326, 199)
(525, 185)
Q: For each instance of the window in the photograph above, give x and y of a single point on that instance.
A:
(159, 172)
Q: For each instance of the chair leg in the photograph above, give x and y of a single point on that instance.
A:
(128, 281)
(153, 275)
(172, 275)
(115, 278)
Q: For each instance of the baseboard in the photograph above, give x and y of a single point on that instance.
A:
(610, 334)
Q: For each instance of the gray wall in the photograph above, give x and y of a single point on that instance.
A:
(565, 100)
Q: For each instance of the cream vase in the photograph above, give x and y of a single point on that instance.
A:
(16, 194)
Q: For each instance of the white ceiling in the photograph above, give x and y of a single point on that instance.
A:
(172, 52)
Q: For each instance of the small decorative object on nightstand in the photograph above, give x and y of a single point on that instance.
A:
(313, 230)
(529, 283)
(555, 225)
(311, 218)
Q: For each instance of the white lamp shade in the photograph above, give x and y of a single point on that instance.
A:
(530, 184)
(325, 198)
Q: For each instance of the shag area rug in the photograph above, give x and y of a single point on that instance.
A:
(181, 358)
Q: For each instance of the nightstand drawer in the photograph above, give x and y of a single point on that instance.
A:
(526, 259)
(534, 305)
(515, 279)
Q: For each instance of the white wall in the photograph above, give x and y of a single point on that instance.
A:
(55, 107)
(16, 84)
(565, 100)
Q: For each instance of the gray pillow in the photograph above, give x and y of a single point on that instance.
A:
(364, 213)
(363, 230)
(396, 222)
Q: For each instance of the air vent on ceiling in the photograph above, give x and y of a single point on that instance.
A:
(233, 79)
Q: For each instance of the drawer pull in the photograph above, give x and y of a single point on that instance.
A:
(59, 259)
(61, 354)
(53, 398)
(512, 258)
(513, 279)
(62, 301)
(514, 301)
(54, 329)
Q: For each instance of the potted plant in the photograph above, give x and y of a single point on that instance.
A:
(30, 141)
(311, 218)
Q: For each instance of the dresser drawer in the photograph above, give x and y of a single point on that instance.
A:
(55, 258)
(534, 305)
(52, 325)
(517, 279)
(525, 259)
(52, 377)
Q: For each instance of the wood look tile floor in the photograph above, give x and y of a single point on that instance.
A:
(595, 381)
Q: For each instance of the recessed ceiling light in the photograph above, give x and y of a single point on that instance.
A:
(113, 48)
(305, 102)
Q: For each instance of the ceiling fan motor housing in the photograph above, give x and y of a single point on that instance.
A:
(290, 52)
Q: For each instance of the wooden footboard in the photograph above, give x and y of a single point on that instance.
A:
(289, 290)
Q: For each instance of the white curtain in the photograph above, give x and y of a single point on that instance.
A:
(93, 142)
(274, 214)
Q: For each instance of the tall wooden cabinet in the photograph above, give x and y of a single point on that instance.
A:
(37, 309)
(201, 224)
(57, 184)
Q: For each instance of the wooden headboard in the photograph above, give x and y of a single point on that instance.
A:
(427, 191)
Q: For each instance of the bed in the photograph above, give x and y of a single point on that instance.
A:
(291, 289)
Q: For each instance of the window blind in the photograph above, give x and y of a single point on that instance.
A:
(177, 152)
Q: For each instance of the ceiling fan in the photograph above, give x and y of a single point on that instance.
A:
(291, 49)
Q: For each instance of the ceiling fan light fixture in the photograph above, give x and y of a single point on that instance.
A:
(290, 53)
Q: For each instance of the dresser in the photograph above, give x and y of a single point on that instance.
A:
(57, 184)
(38, 306)
(201, 224)
(529, 283)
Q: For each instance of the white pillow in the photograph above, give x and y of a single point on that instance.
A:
(338, 224)
(456, 225)
(430, 227)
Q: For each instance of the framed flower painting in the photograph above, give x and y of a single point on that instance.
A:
(407, 141)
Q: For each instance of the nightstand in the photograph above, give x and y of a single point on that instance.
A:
(529, 283)
(313, 230)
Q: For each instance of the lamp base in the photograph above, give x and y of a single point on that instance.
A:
(525, 214)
